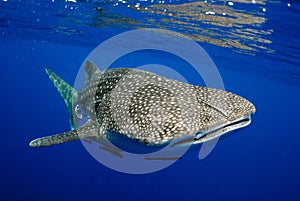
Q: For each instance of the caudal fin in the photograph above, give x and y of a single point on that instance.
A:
(67, 92)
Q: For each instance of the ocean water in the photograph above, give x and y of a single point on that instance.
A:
(255, 46)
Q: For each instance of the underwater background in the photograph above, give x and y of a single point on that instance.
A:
(255, 45)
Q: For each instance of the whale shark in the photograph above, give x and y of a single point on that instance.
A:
(149, 109)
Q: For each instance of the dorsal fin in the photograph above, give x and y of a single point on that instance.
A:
(90, 69)
(68, 93)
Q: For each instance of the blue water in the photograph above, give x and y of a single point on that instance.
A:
(256, 47)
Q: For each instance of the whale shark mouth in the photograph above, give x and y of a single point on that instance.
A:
(204, 136)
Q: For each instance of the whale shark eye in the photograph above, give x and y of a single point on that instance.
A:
(78, 111)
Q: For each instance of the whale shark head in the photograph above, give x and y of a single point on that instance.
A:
(217, 111)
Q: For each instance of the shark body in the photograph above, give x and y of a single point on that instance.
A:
(146, 108)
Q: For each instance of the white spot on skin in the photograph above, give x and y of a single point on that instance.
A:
(210, 13)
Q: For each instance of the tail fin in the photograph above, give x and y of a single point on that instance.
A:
(68, 93)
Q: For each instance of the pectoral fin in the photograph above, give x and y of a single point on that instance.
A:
(54, 139)
(88, 130)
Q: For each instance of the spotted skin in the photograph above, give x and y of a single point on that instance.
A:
(150, 109)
